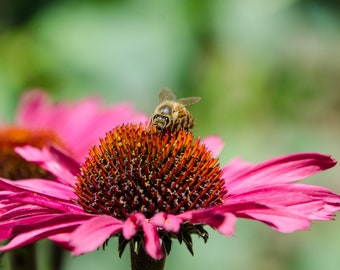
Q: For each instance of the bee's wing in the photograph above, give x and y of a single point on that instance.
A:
(188, 101)
(166, 94)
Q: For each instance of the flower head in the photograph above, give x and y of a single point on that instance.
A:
(149, 188)
(73, 127)
(135, 169)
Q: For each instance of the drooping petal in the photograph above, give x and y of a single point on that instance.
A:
(306, 201)
(279, 218)
(44, 201)
(152, 241)
(41, 186)
(151, 237)
(223, 221)
(64, 158)
(23, 211)
(170, 223)
(6, 226)
(314, 210)
(47, 226)
(132, 224)
(36, 187)
(93, 233)
(49, 162)
(12, 227)
(62, 239)
(280, 170)
(286, 195)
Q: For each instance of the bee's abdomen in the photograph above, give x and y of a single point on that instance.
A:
(184, 121)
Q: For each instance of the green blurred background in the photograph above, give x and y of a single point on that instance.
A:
(268, 73)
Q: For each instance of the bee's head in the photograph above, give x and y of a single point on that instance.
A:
(160, 121)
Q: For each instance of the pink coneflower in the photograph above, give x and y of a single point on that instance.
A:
(72, 126)
(148, 188)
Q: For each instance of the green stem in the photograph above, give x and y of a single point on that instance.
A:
(23, 258)
(142, 261)
(57, 255)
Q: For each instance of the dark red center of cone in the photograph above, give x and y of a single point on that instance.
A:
(136, 169)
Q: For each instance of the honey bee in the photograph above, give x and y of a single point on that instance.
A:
(171, 113)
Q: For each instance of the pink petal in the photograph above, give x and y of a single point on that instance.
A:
(32, 194)
(7, 205)
(45, 187)
(6, 226)
(11, 186)
(314, 210)
(281, 219)
(30, 106)
(24, 211)
(46, 160)
(151, 237)
(29, 233)
(286, 195)
(62, 239)
(214, 144)
(170, 223)
(109, 118)
(132, 224)
(41, 200)
(221, 220)
(234, 168)
(310, 202)
(152, 241)
(283, 169)
(36, 111)
(64, 158)
(93, 233)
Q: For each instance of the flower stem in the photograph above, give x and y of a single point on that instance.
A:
(23, 258)
(57, 255)
(142, 261)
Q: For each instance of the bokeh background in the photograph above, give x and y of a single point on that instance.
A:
(268, 73)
